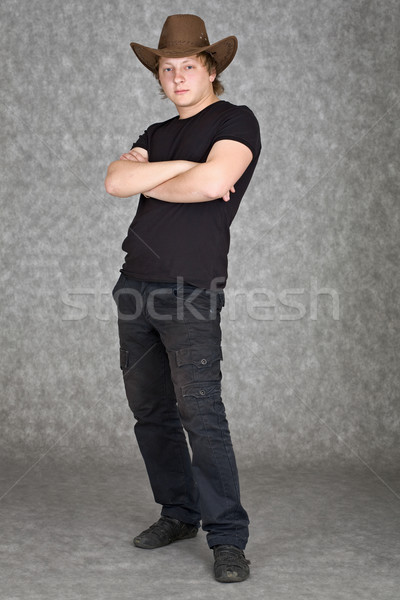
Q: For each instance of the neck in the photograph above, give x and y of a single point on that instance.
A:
(189, 111)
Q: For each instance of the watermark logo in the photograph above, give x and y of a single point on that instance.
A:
(259, 303)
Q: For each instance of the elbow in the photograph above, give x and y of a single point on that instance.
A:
(215, 190)
(109, 182)
(110, 185)
(117, 183)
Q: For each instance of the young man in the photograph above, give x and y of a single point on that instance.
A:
(191, 171)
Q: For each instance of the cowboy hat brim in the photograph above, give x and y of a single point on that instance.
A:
(223, 52)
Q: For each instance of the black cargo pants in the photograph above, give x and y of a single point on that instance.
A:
(170, 353)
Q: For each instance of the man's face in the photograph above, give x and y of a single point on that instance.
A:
(186, 81)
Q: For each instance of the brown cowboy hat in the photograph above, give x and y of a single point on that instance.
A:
(186, 35)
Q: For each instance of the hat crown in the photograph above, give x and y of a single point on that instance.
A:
(181, 31)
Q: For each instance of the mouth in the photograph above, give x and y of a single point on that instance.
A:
(181, 91)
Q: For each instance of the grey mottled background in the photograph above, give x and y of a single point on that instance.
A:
(322, 213)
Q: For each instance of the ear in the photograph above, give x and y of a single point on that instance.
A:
(213, 76)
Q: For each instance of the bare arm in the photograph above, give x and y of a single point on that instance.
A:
(133, 173)
(213, 179)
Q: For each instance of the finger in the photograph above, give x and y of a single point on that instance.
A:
(128, 156)
(131, 157)
(139, 157)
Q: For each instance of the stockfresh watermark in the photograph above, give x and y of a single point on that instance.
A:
(258, 303)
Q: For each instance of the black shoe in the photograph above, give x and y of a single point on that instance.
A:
(230, 564)
(164, 532)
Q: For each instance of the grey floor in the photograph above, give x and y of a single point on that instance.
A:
(320, 533)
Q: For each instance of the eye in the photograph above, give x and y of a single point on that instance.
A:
(167, 69)
(190, 67)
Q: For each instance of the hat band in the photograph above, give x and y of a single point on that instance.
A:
(178, 44)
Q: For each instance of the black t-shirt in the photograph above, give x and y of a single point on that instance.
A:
(189, 241)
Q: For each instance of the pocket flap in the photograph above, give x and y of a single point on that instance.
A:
(201, 390)
(200, 356)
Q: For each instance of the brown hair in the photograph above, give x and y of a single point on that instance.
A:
(209, 62)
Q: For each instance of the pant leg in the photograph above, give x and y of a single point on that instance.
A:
(192, 338)
(151, 397)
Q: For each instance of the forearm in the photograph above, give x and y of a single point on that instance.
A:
(126, 178)
(199, 184)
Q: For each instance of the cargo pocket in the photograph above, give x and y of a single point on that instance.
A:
(123, 358)
(198, 404)
(202, 362)
(221, 299)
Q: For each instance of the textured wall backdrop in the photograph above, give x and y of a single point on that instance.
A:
(311, 324)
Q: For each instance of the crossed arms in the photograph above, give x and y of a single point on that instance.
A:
(179, 180)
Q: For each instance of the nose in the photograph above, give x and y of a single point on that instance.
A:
(179, 77)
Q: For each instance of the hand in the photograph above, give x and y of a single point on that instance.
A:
(133, 155)
(227, 196)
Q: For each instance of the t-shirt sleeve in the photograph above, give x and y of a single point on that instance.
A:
(142, 141)
(240, 125)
